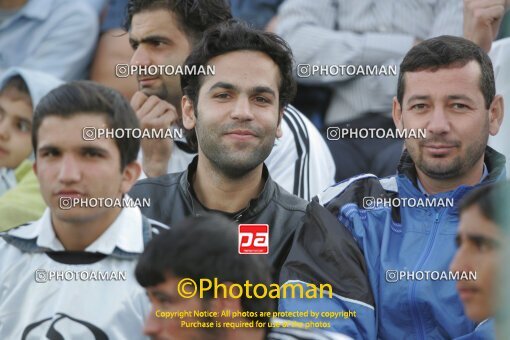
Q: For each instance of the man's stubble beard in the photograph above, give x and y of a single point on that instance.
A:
(161, 92)
(230, 165)
(458, 166)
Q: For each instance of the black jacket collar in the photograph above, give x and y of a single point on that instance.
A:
(254, 207)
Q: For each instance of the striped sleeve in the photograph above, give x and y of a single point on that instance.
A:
(302, 141)
(157, 227)
(301, 161)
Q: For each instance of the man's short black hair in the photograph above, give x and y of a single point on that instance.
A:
(233, 36)
(79, 97)
(204, 247)
(193, 16)
(444, 52)
(493, 201)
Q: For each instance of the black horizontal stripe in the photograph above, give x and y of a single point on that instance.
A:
(75, 257)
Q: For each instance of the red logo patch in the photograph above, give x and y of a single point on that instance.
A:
(253, 239)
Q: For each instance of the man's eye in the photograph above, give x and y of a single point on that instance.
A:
(485, 245)
(459, 106)
(262, 100)
(165, 301)
(91, 153)
(458, 242)
(24, 126)
(49, 153)
(222, 96)
(418, 107)
(482, 246)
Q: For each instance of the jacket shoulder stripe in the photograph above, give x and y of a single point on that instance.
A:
(335, 190)
(157, 227)
(389, 183)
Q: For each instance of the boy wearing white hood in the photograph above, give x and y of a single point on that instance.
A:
(20, 91)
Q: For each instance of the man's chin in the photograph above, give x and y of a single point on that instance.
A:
(155, 88)
(475, 314)
(149, 91)
(74, 216)
(236, 169)
(440, 171)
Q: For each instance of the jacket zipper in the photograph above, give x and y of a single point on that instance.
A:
(425, 255)
(238, 217)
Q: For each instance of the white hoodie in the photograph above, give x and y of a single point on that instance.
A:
(39, 84)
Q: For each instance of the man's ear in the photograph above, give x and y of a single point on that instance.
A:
(188, 113)
(130, 175)
(396, 113)
(496, 113)
(34, 166)
(279, 131)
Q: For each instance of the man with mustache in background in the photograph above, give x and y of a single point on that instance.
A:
(163, 32)
(446, 87)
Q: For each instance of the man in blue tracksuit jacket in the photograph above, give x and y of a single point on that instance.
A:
(405, 225)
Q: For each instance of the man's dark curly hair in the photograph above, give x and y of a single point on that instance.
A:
(193, 16)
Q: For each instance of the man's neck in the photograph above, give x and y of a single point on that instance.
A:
(217, 192)
(12, 4)
(433, 186)
(77, 236)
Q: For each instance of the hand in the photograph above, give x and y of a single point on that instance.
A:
(482, 19)
(154, 113)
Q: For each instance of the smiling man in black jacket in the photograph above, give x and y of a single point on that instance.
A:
(235, 116)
